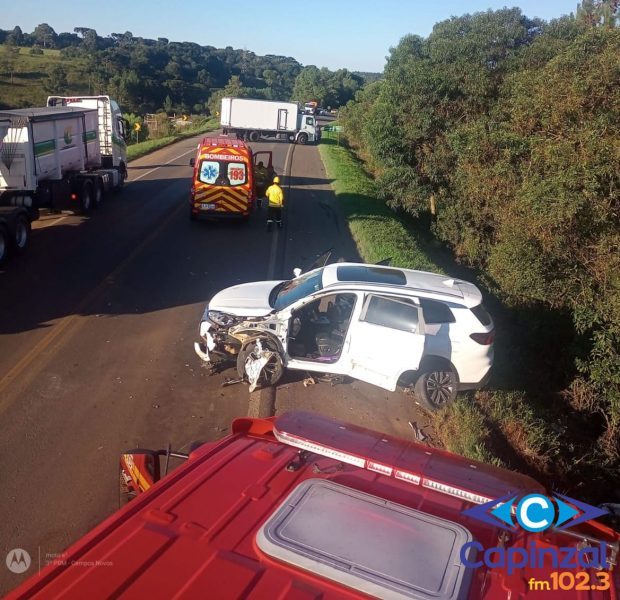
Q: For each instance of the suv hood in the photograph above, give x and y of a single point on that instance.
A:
(245, 300)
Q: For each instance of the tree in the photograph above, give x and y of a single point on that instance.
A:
(16, 37)
(56, 82)
(8, 61)
(308, 85)
(90, 39)
(234, 88)
(168, 104)
(122, 39)
(594, 13)
(45, 36)
(326, 87)
(430, 87)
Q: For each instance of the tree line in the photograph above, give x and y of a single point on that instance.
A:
(502, 134)
(147, 75)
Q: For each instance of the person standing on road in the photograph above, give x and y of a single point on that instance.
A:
(275, 194)
(262, 178)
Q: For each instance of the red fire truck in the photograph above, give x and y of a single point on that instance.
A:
(223, 182)
(303, 506)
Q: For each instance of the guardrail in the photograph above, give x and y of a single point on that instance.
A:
(328, 131)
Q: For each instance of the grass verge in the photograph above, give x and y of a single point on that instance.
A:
(142, 148)
(502, 427)
(377, 231)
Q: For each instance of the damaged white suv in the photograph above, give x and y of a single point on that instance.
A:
(380, 324)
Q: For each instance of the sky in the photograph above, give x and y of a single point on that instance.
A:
(355, 35)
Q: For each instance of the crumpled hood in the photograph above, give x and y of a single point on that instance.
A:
(245, 300)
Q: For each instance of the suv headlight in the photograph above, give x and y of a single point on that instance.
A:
(222, 319)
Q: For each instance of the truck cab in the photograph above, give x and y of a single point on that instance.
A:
(307, 124)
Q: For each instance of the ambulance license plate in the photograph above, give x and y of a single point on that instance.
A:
(207, 207)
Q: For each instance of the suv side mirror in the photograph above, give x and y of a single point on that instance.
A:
(192, 162)
(297, 272)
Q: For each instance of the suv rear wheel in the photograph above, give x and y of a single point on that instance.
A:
(435, 389)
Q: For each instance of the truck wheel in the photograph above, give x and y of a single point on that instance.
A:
(22, 234)
(302, 139)
(4, 243)
(97, 193)
(254, 136)
(86, 196)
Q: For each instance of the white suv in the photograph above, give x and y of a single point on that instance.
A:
(384, 325)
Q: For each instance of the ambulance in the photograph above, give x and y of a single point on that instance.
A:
(223, 182)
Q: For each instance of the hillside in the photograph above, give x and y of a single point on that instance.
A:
(147, 76)
(25, 78)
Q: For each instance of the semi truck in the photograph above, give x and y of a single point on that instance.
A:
(304, 506)
(252, 119)
(112, 127)
(50, 157)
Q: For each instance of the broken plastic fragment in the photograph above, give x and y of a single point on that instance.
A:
(255, 363)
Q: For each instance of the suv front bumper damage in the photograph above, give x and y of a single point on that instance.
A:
(202, 348)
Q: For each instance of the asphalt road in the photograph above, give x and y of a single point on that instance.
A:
(97, 324)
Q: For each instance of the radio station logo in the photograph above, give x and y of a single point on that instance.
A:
(534, 513)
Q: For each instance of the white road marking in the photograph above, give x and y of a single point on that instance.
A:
(49, 223)
(160, 166)
(274, 240)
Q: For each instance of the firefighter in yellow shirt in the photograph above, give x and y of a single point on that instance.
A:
(275, 196)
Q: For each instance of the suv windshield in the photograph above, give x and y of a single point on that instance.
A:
(287, 292)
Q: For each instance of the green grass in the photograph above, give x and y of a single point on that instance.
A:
(499, 427)
(377, 231)
(30, 73)
(142, 148)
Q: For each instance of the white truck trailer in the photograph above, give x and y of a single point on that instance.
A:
(49, 158)
(112, 127)
(252, 119)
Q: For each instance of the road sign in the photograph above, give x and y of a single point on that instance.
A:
(137, 127)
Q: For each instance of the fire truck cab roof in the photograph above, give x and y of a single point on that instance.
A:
(303, 506)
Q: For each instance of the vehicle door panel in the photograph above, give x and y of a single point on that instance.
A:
(385, 340)
(341, 365)
(266, 160)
